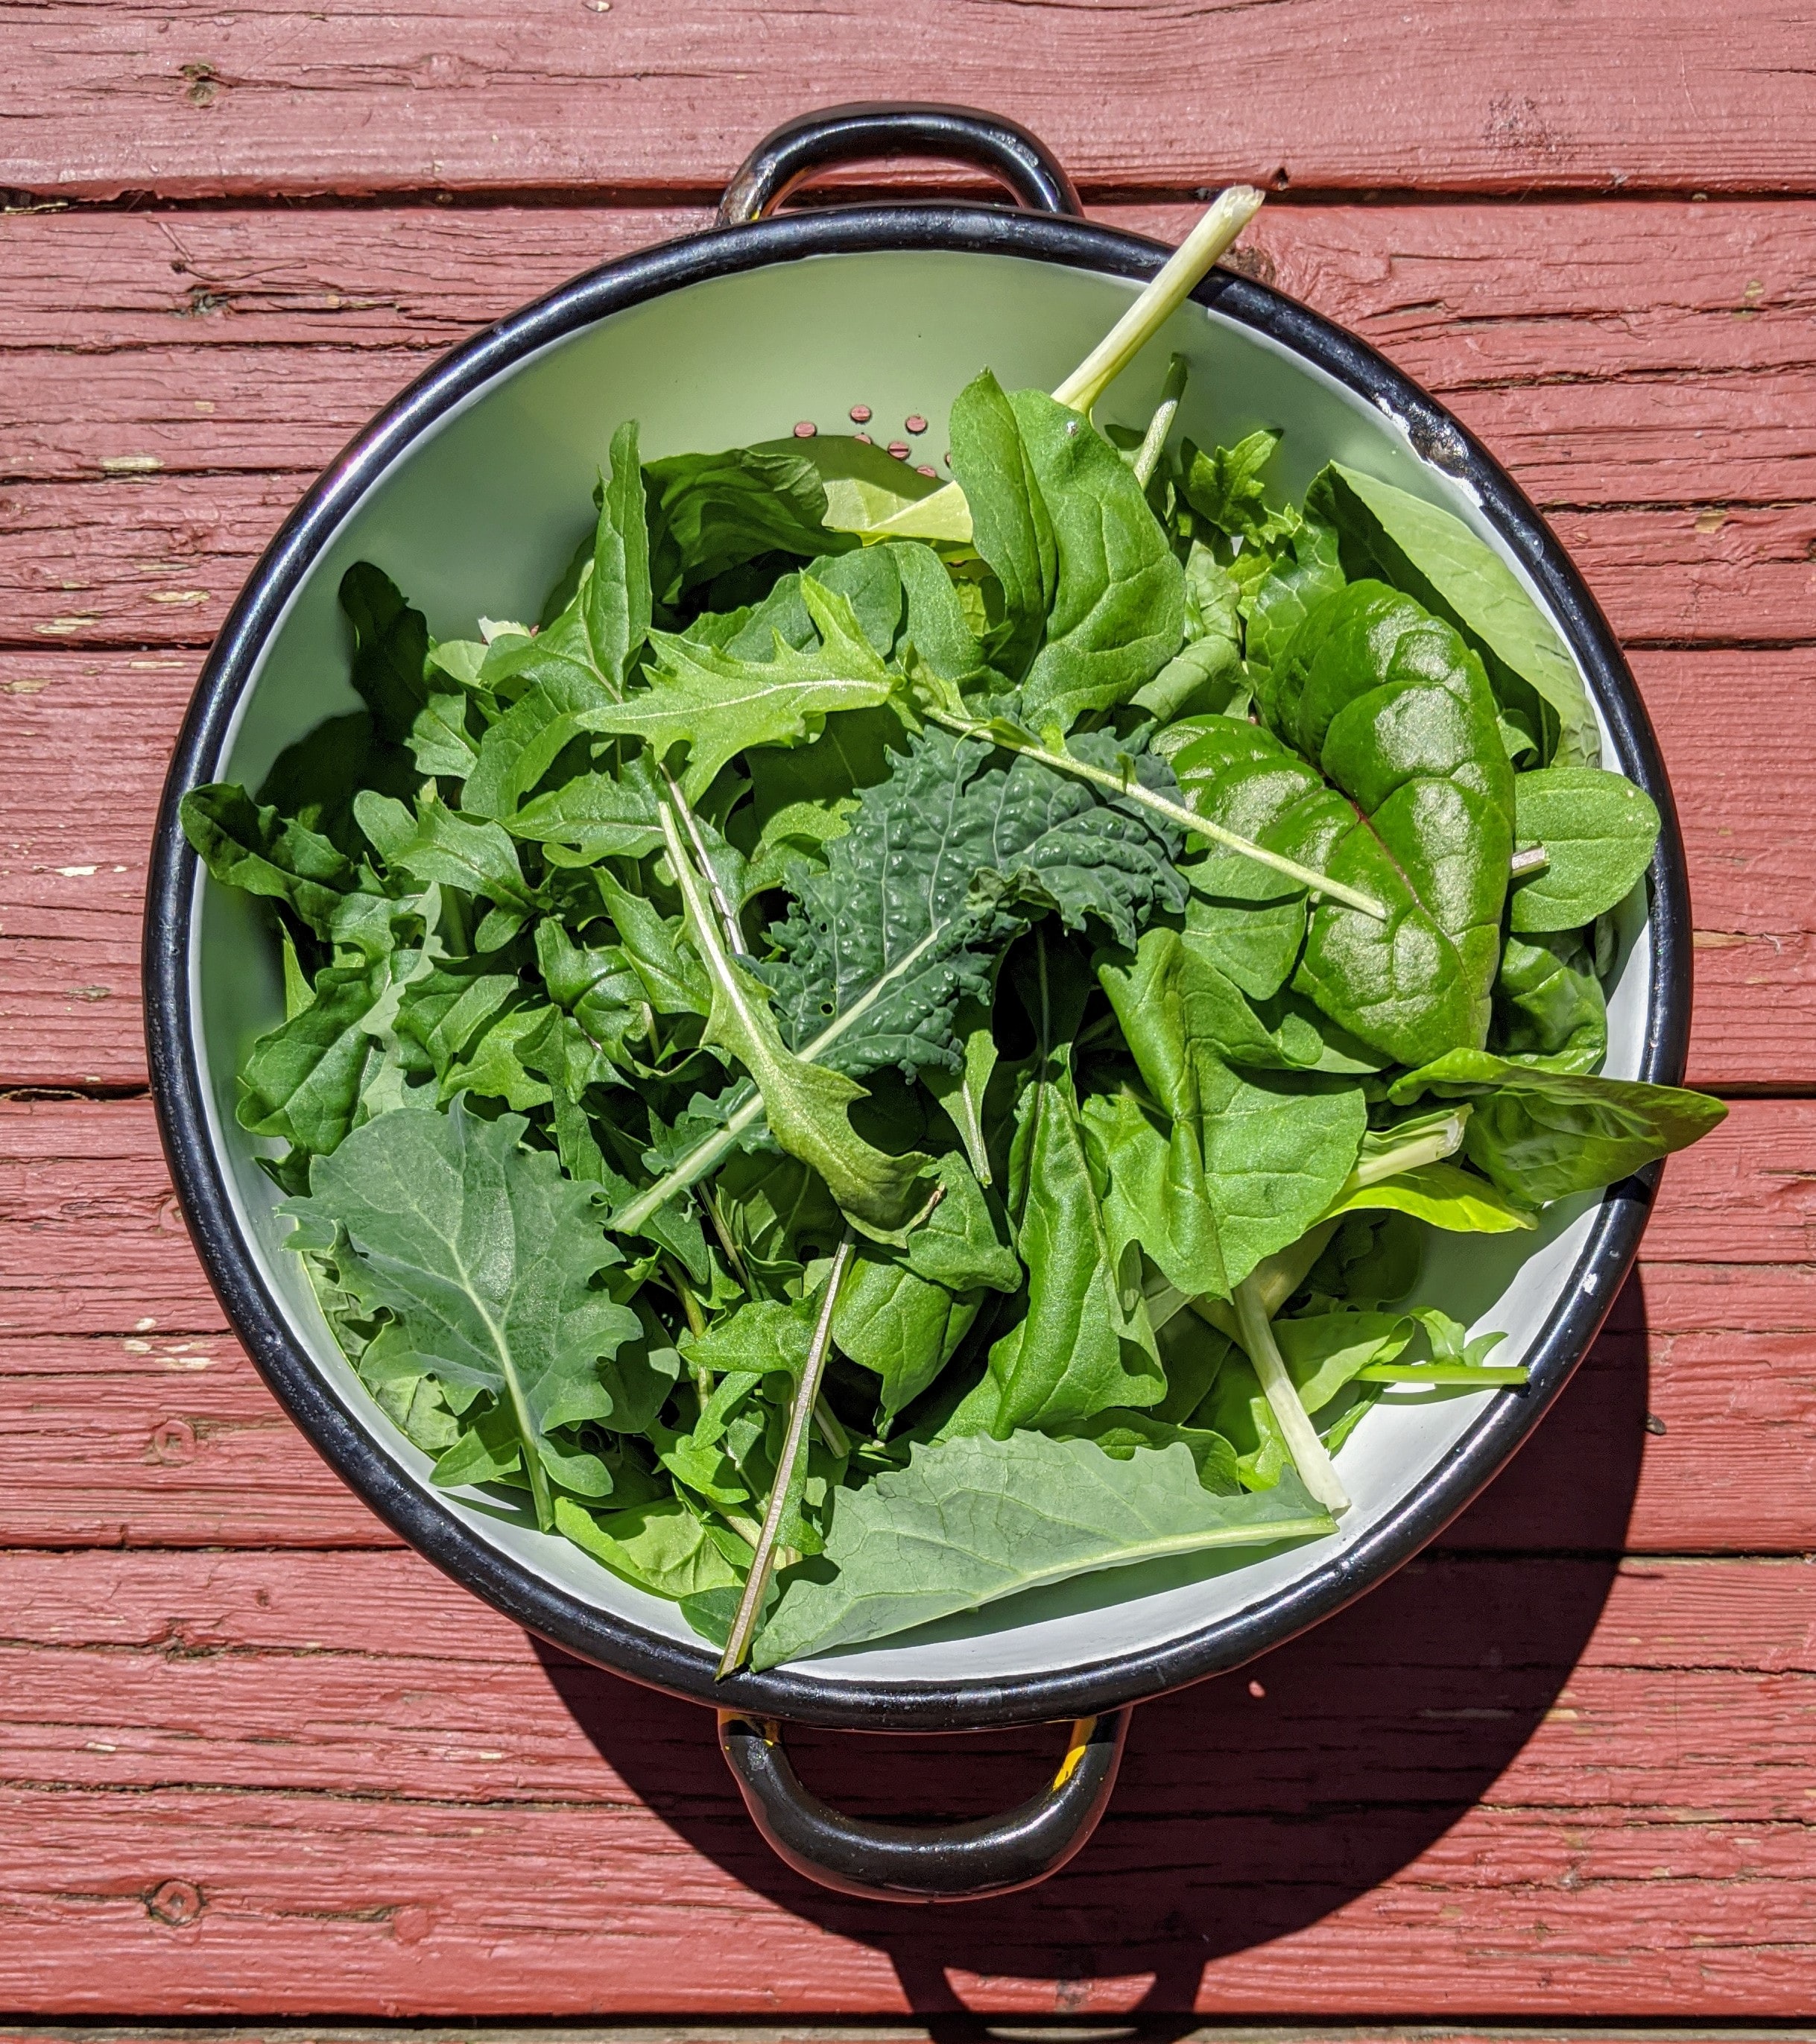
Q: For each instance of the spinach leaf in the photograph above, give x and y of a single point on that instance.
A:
(1435, 557)
(1549, 1008)
(1302, 573)
(973, 1519)
(1235, 1164)
(1598, 830)
(305, 1080)
(1413, 804)
(1083, 1342)
(711, 512)
(1453, 1199)
(486, 1257)
(1542, 1135)
(901, 1326)
(1093, 596)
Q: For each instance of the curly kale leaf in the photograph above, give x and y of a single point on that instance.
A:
(944, 863)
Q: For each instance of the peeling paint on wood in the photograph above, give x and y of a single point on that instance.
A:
(275, 98)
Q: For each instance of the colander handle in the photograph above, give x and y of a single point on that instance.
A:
(847, 134)
(924, 1862)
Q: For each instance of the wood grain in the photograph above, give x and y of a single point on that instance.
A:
(1524, 1755)
(94, 1243)
(178, 100)
(99, 728)
(1646, 370)
(136, 1421)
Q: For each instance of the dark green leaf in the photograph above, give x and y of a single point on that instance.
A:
(1435, 557)
(1541, 1135)
(944, 862)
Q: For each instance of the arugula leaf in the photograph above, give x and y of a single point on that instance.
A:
(614, 597)
(1225, 486)
(437, 845)
(1598, 830)
(484, 1255)
(806, 1106)
(974, 1520)
(1437, 559)
(254, 848)
(944, 862)
(1093, 595)
(718, 706)
(1542, 1135)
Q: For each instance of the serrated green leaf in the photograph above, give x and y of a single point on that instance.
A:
(717, 706)
(486, 1255)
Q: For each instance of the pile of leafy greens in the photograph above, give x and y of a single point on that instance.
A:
(852, 1074)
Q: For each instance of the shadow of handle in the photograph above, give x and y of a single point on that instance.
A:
(962, 1862)
(812, 142)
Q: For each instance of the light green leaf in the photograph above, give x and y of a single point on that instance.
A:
(661, 1547)
(1448, 1198)
(614, 596)
(974, 1520)
(806, 1106)
(255, 849)
(1541, 1135)
(486, 1255)
(1598, 830)
(1094, 597)
(718, 707)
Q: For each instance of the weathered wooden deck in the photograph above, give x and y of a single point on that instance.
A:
(258, 1763)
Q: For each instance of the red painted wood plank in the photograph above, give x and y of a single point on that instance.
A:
(240, 1783)
(179, 100)
(133, 1435)
(868, 2032)
(95, 1243)
(1644, 368)
(148, 562)
(98, 727)
(1473, 296)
